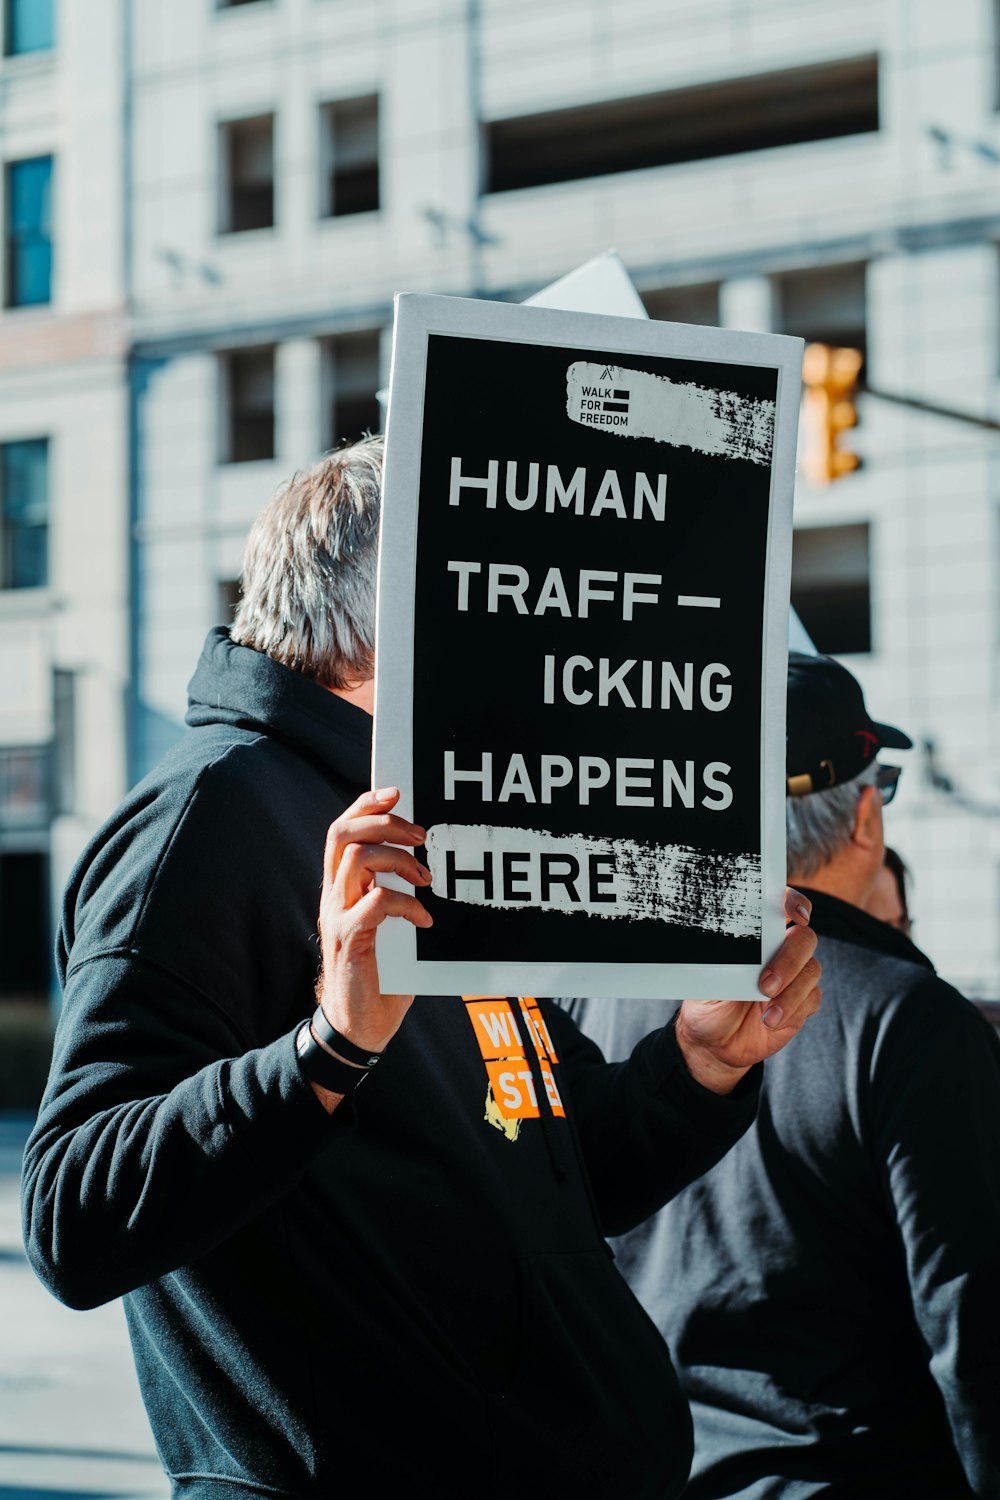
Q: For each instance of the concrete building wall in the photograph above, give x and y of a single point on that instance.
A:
(63, 378)
(910, 213)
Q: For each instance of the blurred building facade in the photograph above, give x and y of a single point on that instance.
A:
(282, 167)
(63, 459)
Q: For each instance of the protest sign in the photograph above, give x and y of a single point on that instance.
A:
(583, 596)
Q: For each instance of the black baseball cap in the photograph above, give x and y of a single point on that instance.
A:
(831, 735)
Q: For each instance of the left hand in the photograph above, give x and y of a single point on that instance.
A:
(722, 1039)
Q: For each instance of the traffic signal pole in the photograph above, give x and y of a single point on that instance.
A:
(952, 413)
(830, 380)
(831, 388)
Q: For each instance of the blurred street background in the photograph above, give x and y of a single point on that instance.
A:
(206, 207)
(71, 1421)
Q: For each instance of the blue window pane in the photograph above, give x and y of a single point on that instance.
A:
(30, 26)
(31, 272)
(29, 232)
(24, 509)
(30, 200)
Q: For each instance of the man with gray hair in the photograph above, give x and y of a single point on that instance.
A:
(344, 1268)
(830, 1290)
(308, 597)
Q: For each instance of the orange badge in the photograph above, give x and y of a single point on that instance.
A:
(540, 1033)
(514, 1089)
(552, 1092)
(496, 1028)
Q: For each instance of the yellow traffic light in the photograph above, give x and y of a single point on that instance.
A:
(830, 377)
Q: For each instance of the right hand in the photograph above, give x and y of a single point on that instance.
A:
(722, 1039)
(364, 841)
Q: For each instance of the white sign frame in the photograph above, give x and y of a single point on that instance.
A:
(417, 318)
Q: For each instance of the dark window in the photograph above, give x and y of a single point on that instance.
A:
(831, 587)
(230, 593)
(25, 788)
(824, 305)
(229, 4)
(24, 926)
(692, 124)
(353, 379)
(29, 232)
(24, 514)
(684, 304)
(350, 157)
(247, 174)
(29, 26)
(64, 741)
(248, 395)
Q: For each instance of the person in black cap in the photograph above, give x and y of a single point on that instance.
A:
(832, 737)
(830, 1290)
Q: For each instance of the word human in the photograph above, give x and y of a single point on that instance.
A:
(580, 494)
(632, 781)
(509, 581)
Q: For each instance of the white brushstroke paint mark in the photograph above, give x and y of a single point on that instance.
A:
(671, 883)
(633, 403)
(699, 601)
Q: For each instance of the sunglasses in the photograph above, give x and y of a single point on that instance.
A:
(887, 780)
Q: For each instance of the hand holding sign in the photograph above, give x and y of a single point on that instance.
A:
(352, 908)
(721, 1040)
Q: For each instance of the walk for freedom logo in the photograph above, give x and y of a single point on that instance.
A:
(633, 403)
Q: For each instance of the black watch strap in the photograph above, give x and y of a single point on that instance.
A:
(337, 1042)
(319, 1067)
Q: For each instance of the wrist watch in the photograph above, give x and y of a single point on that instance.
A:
(319, 1067)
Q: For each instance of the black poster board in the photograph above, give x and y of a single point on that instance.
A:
(581, 652)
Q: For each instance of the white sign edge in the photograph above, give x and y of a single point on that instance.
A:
(417, 316)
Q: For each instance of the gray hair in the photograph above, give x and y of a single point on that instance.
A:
(820, 823)
(309, 569)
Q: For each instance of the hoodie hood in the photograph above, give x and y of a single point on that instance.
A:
(239, 686)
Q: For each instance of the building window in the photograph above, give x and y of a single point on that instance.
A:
(229, 4)
(25, 787)
(230, 592)
(684, 304)
(25, 939)
(24, 514)
(831, 587)
(25, 815)
(248, 405)
(63, 741)
(28, 26)
(824, 305)
(246, 175)
(29, 232)
(352, 378)
(350, 157)
(691, 124)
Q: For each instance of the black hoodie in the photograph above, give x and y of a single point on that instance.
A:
(414, 1291)
(831, 1290)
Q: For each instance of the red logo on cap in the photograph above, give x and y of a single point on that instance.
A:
(871, 740)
